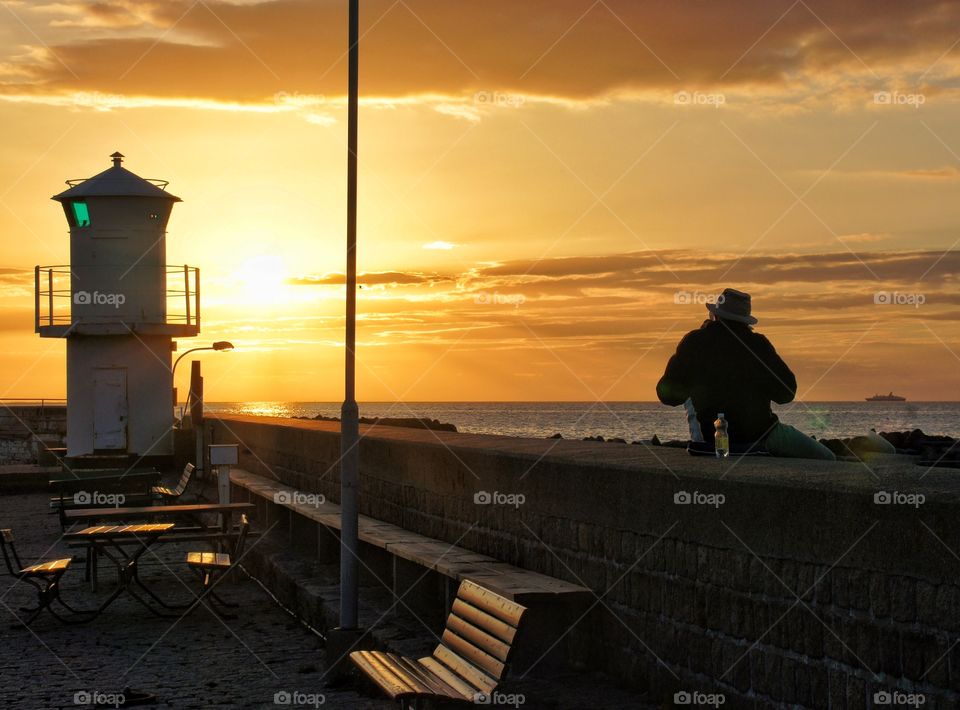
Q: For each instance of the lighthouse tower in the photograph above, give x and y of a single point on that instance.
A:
(119, 306)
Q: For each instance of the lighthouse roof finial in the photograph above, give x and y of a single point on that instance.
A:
(115, 181)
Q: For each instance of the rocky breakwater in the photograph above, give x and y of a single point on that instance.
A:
(409, 422)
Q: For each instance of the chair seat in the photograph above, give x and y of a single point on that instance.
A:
(163, 491)
(44, 568)
(208, 559)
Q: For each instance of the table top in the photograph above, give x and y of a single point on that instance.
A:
(150, 510)
(125, 530)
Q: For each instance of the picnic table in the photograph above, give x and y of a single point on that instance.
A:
(217, 534)
(115, 537)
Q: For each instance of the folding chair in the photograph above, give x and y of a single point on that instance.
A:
(43, 576)
(172, 494)
(211, 567)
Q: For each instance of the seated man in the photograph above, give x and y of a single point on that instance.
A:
(726, 367)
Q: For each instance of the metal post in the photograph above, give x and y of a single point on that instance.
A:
(349, 413)
(186, 290)
(36, 299)
(196, 296)
(50, 294)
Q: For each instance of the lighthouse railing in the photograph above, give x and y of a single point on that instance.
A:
(64, 297)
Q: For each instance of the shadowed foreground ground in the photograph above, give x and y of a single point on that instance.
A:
(195, 662)
(199, 661)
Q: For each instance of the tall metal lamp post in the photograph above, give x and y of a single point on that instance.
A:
(349, 413)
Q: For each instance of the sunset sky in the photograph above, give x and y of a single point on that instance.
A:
(543, 186)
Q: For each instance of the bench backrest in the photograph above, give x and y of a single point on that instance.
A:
(184, 479)
(479, 635)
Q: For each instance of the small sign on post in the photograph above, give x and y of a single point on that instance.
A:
(222, 457)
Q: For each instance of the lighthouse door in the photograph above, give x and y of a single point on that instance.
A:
(110, 408)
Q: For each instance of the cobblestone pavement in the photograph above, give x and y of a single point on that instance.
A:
(199, 661)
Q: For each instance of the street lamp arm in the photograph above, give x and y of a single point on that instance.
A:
(176, 362)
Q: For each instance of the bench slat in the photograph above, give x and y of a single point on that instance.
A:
(437, 686)
(483, 620)
(474, 676)
(479, 638)
(473, 654)
(466, 690)
(376, 667)
(491, 603)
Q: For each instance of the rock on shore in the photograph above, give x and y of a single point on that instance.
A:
(408, 422)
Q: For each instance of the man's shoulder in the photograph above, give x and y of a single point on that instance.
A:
(695, 336)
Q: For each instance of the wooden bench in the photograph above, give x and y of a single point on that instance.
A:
(514, 583)
(173, 494)
(467, 665)
(553, 604)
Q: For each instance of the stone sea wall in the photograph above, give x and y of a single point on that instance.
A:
(25, 431)
(769, 582)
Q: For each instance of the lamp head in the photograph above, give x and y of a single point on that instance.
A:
(223, 345)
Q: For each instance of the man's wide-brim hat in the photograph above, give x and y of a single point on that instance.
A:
(733, 305)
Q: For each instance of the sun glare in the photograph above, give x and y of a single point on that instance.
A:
(261, 280)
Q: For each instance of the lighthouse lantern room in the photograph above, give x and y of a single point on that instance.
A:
(119, 306)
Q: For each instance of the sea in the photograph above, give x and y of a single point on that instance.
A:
(630, 421)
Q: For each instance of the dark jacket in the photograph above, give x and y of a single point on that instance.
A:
(726, 367)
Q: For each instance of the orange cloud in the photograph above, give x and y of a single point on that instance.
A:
(568, 49)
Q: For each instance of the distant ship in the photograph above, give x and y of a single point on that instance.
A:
(886, 398)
